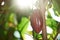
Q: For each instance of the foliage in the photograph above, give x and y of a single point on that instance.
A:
(9, 23)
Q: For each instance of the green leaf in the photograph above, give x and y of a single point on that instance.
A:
(11, 17)
(52, 23)
(22, 27)
(23, 23)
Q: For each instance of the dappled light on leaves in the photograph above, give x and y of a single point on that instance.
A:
(22, 19)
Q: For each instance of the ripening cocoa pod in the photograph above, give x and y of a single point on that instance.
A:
(36, 21)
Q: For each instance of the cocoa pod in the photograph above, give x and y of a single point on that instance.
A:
(36, 21)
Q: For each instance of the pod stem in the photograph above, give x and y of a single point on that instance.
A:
(44, 31)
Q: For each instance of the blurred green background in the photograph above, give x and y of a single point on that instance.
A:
(15, 24)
